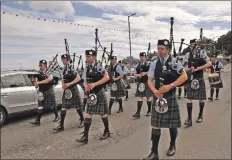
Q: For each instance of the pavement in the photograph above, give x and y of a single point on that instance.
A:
(130, 139)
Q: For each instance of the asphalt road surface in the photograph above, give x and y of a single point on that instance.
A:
(130, 138)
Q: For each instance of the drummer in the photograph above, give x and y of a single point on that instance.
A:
(215, 68)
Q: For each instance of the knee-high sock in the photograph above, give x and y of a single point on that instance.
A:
(217, 92)
(201, 105)
(87, 124)
(173, 135)
(155, 137)
(211, 92)
(120, 103)
(111, 104)
(79, 111)
(106, 124)
(189, 109)
(126, 93)
(39, 114)
(62, 117)
(149, 106)
(139, 106)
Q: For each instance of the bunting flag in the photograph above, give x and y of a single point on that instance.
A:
(136, 35)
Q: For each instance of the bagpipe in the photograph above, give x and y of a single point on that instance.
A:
(169, 74)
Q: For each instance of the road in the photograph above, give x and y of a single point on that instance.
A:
(130, 138)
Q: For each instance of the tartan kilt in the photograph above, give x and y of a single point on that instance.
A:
(198, 94)
(219, 85)
(170, 119)
(127, 83)
(120, 91)
(49, 101)
(146, 93)
(101, 107)
(75, 101)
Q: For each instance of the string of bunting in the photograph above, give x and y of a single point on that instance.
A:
(136, 35)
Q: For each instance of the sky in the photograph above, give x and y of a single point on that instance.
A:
(25, 41)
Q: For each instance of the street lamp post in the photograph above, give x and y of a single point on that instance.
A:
(129, 31)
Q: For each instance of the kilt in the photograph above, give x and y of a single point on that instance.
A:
(219, 85)
(126, 83)
(120, 91)
(101, 107)
(75, 101)
(146, 93)
(198, 94)
(49, 101)
(170, 119)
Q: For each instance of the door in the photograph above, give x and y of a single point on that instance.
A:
(17, 94)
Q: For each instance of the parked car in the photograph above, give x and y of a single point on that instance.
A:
(19, 95)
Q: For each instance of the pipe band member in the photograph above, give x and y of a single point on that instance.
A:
(45, 84)
(216, 67)
(95, 77)
(197, 63)
(140, 72)
(116, 74)
(71, 95)
(125, 71)
(175, 77)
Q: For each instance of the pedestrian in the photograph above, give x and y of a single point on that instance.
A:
(216, 67)
(117, 89)
(196, 61)
(71, 95)
(125, 80)
(143, 92)
(165, 115)
(95, 77)
(47, 97)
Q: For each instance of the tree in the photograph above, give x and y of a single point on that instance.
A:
(224, 43)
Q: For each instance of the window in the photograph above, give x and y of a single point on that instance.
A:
(13, 81)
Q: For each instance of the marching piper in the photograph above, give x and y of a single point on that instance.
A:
(47, 95)
(95, 77)
(197, 61)
(167, 73)
(117, 89)
(71, 95)
(127, 84)
(216, 67)
(143, 91)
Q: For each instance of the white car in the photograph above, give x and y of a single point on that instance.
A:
(19, 95)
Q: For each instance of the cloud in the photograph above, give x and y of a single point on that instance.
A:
(42, 40)
(59, 8)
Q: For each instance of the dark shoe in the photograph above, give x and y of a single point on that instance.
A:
(148, 114)
(83, 139)
(126, 99)
(188, 122)
(199, 119)
(210, 98)
(59, 128)
(105, 135)
(171, 150)
(120, 110)
(217, 98)
(136, 115)
(81, 124)
(35, 123)
(56, 119)
(152, 156)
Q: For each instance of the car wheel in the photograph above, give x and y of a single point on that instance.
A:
(2, 116)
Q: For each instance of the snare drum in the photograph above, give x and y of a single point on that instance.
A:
(214, 78)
